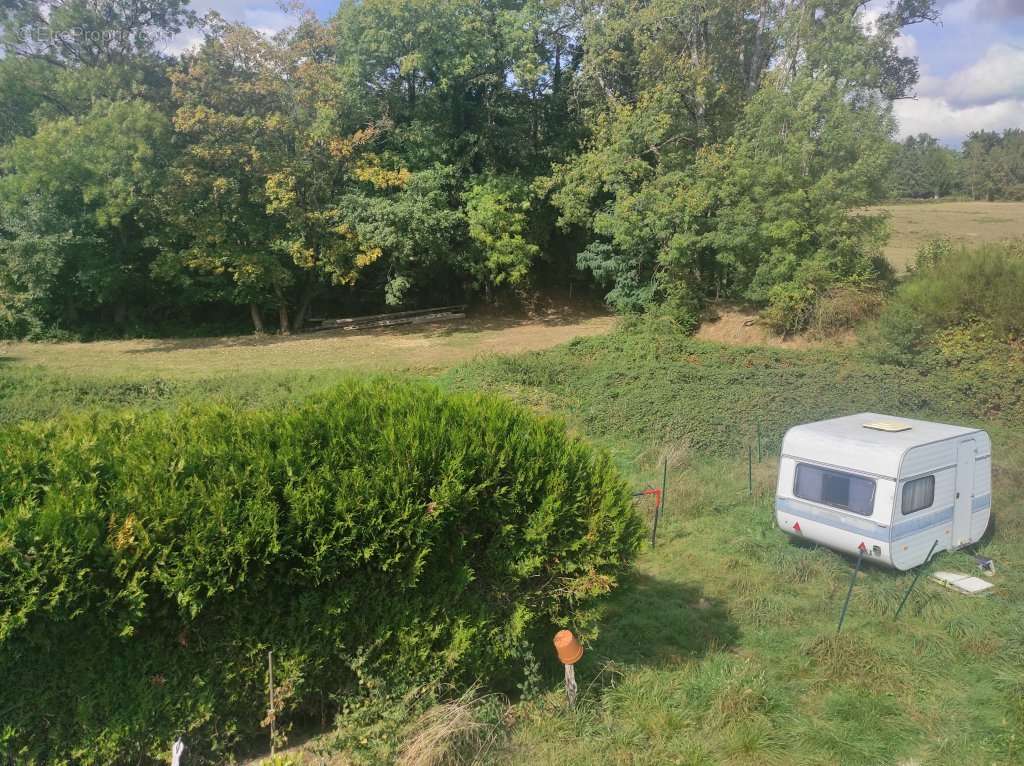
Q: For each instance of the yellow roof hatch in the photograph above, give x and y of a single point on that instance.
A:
(892, 426)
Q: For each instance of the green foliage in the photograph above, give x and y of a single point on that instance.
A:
(931, 253)
(994, 165)
(775, 205)
(922, 168)
(975, 290)
(375, 537)
(79, 198)
(714, 171)
(411, 152)
(497, 212)
(650, 384)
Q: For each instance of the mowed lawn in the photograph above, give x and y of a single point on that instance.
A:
(422, 348)
(40, 380)
(914, 223)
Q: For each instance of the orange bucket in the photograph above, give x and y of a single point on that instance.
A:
(568, 647)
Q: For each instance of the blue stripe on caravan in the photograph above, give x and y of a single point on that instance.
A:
(832, 520)
(981, 503)
(918, 524)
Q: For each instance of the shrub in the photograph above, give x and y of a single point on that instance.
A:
(843, 307)
(378, 536)
(954, 289)
(932, 252)
(825, 307)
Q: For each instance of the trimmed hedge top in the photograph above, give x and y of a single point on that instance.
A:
(383, 533)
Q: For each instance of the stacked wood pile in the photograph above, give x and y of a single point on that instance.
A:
(420, 316)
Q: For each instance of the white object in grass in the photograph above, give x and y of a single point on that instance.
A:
(963, 583)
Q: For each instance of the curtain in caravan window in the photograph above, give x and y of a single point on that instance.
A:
(835, 488)
(918, 494)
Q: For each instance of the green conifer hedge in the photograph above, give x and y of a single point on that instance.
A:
(385, 533)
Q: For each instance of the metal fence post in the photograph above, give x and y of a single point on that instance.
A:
(750, 471)
(849, 592)
(914, 581)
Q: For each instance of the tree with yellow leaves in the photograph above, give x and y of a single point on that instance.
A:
(269, 155)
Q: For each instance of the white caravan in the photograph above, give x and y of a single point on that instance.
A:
(890, 487)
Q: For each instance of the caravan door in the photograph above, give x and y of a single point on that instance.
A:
(965, 459)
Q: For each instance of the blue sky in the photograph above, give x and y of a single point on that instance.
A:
(972, 70)
(972, 62)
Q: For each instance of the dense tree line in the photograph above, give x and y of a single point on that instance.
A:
(990, 167)
(410, 151)
(993, 165)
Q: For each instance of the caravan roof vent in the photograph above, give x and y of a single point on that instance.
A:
(891, 426)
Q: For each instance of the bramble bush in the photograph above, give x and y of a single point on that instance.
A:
(378, 536)
(953, 288)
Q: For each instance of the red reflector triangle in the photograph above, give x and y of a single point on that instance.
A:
(796, 528)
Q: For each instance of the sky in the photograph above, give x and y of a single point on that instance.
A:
(971, 62)
(972, 70)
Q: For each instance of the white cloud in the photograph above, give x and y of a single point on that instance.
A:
(999, 74)
(907, 45)
(268, 21)
(987, 95)
(265, 16)
(951, 123)
(869, 18)
(981, 10)
(869, 15)
(181, 42)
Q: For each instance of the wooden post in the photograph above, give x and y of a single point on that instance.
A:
(661, 504)
(176, 750)
(569, 651)
(570, 684)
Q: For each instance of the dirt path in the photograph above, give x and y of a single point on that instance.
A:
(422, 348)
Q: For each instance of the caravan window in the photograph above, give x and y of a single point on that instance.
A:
(839, 490)
(918, 494)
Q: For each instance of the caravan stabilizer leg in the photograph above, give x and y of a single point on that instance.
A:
(849, 592)
(914, 581)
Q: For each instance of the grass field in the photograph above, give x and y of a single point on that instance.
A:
(720, 648)
(42, 379)
(420, 348)
(971, 223)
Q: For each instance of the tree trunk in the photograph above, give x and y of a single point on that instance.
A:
(257, 318)
(304, 302)
(282, 312)
(756, 63)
